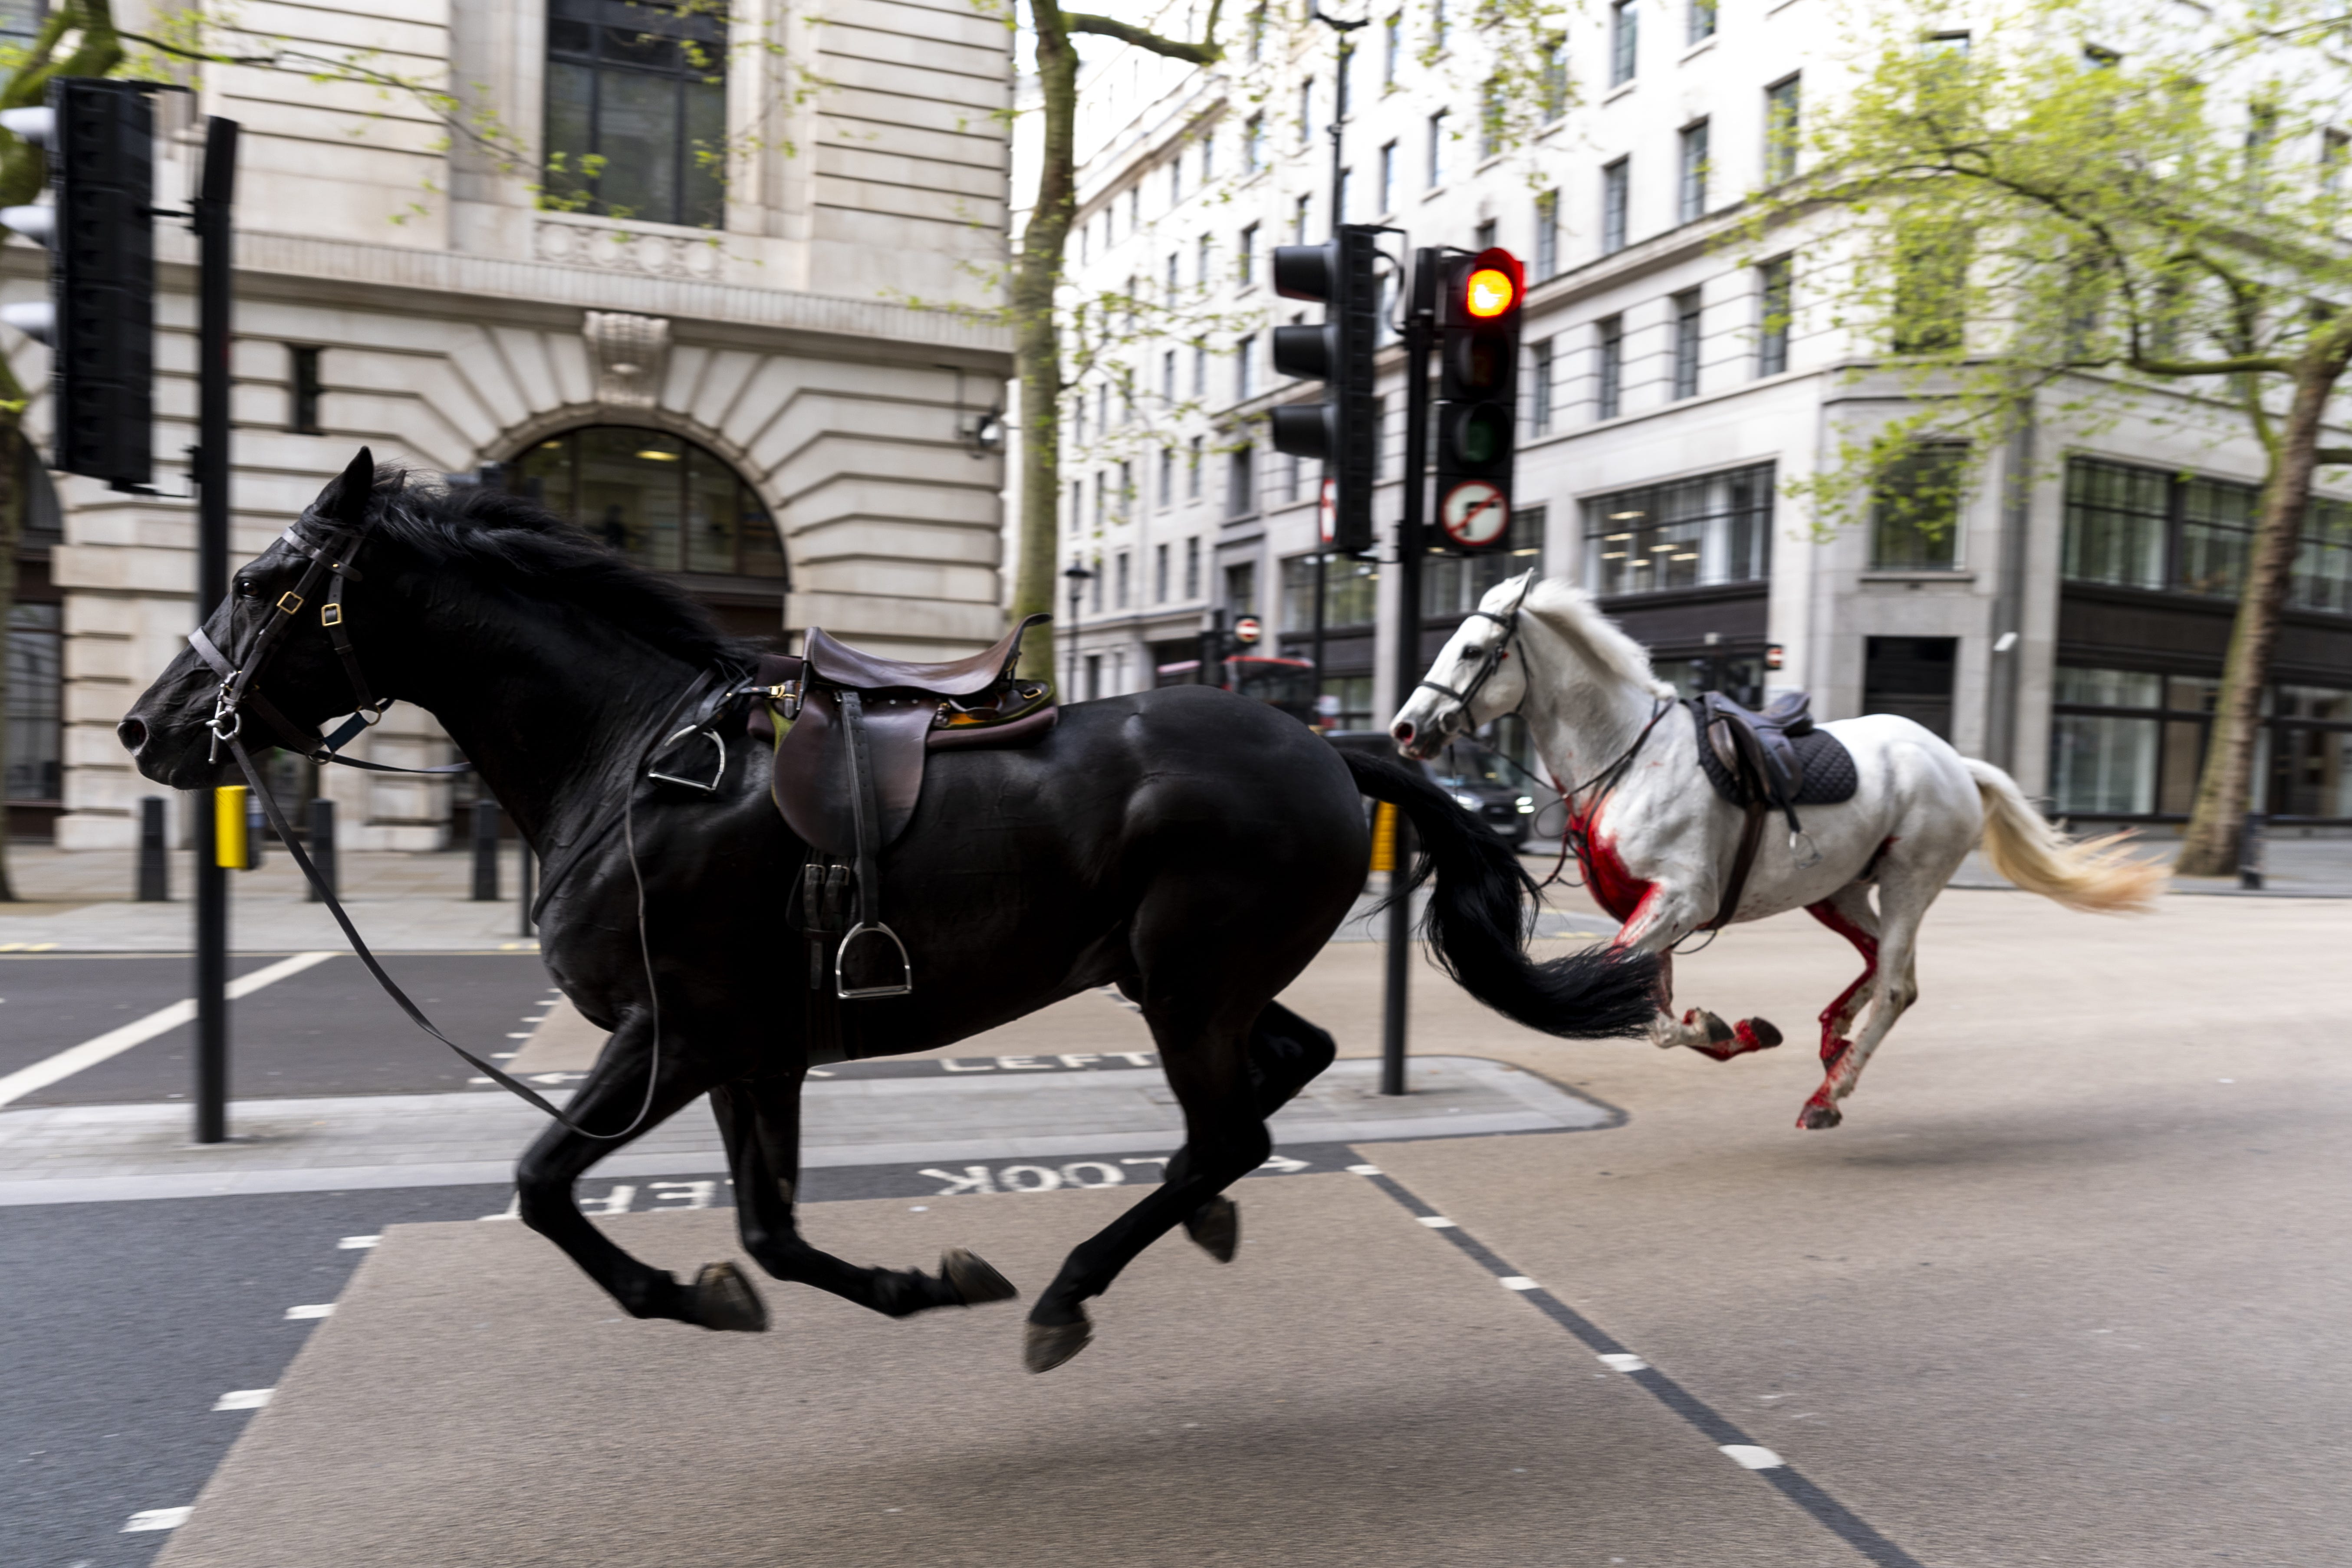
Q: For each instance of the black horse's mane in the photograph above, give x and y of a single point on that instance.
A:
(524, 546)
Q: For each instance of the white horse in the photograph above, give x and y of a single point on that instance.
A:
(1658, 844)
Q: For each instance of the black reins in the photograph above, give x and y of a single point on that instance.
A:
(332, 558)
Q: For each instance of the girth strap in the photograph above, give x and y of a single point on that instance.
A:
(866, 816)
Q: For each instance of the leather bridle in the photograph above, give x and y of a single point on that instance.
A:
(1457, 720)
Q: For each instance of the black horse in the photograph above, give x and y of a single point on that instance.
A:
(1191, 848)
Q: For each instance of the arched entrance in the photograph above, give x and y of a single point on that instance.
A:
(671, 505)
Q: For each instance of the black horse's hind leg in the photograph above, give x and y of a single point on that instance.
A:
(1285, 1054)
(760, 1120)
(721, 1298)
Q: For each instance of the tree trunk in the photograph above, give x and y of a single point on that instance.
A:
(1037, 354)
(2226, 787)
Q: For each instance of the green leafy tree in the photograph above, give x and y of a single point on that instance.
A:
(2029, 227)
(77, 39)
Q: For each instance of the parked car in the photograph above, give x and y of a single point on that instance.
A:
(1479, 781)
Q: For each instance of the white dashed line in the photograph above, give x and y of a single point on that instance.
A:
(1435, 1221)
(244, 1399)
(1518, 1282)
(158, 1519)
(1749, 1457)
(1363, 1170)
(317, 1310)
(353, 1243)
(1624, 1363)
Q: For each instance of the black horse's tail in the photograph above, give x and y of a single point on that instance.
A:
(1482, 910)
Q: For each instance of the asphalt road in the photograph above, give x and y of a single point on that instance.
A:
(326, 1030)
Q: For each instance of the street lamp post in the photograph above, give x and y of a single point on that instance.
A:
(1076, 575)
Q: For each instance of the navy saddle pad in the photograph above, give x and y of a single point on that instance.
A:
(1828, 772)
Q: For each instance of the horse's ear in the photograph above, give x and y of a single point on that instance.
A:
(354, 490)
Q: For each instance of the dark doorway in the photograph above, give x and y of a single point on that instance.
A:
(1911, 677)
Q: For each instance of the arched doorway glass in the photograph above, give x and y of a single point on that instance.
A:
(665, 503)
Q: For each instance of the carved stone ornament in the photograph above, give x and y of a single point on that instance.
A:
(629, 352)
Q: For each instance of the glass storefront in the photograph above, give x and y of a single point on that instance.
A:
(665, 503)
(2131, 743)
(1689, 533)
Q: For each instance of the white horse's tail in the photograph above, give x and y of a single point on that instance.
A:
(2095, 874)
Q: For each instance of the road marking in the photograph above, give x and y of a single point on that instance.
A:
(158, 1519)
(1749, 1457)
(1436, 1222)
(353, 1243)
(316, 1309)
(1363, 1170)
(244, 1399)
(114, 1042)
(1728, 1440)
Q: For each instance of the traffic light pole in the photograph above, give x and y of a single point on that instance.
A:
(1419, 316)
(214, 255)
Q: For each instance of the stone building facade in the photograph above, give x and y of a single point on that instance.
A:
(749, 381)
(2069, 625)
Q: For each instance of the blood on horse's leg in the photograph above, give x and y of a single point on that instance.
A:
(1697, 1028)
(1847, 912)
(759, 1121)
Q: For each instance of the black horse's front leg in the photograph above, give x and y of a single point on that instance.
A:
(760, 1120)
(721, 1298)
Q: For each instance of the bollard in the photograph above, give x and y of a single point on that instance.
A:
(2250, 853)
(154, 852)
(486, 852)
(523, 870)
(323, 849)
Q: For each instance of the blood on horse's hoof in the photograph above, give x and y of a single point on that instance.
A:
(969, 1277)
(1216, 1227)
(1760, 1033)
(1049, 1345)
(1819, 1115)
(723, 1299)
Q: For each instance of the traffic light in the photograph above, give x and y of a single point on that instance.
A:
(1478, 388)
(99, 319)
(1343, 430)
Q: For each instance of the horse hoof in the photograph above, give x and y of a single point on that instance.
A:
(971, 1277)
(723, 1299)
(1216, 1227)
(1718, 1033)
(1816, 1118)
(1759, 1034)
(1049, 1345)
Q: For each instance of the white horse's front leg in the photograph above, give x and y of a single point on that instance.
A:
(1666, 917)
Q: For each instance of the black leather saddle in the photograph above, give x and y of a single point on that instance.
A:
(1765, 762)
(853, 733)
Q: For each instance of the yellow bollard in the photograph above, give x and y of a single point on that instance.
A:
(228, 827)
(1384, 838)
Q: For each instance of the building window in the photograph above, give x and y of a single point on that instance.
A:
(1204, 263)
(1094, 668)
(2323, 563)
(1387, 177)
(1624, 23)
(302, 376)
(1539, 386)
(637, 110)
(1307, 112)
(1350, 593)
(1241, 591)
(1491, 109)
(1931, 271)
(1340, 195)
(1300, 210)
(1168, 376)
(1120, 593)
(1437, 149)
(1241, 481)
(2118, 519)
(1437, 26)
(1257, 35)
(1176, 179)
(2106, 737)
(1547, 235)
(1783, 129)
(1095, 587)
(1167, 476)
(1199, 368)
(2217, 533)
(1689, 533)
(1343, 83)
(1391, 48)
(1126, 490)
(1102, 499)
(1245, 367)
(1193, 472)
(1690, 191)
(1451, 585)
(1077, 504)
(1246, 259)
(664, 503)
(2127, 742)
(1555, 81)
(1192, 568)
(1609, 367)
(1482, 237)
(1702, 21)
(1159, 573)
(36, 702)
(1616, 195)
(1773, 299)
(1686, 316)
(1291, 467)
(1914, 509)
(1253, 144)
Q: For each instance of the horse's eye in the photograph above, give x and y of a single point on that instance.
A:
(247, 588)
